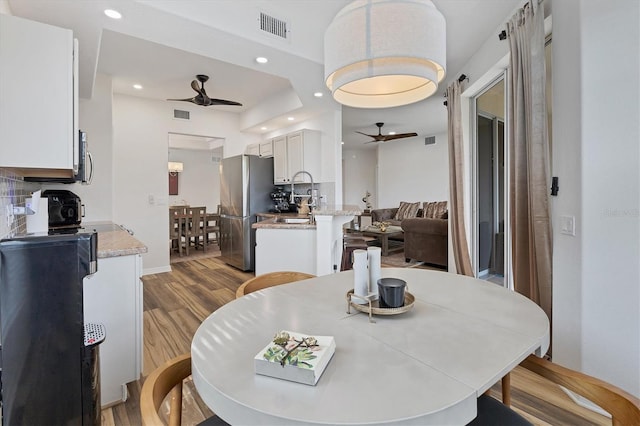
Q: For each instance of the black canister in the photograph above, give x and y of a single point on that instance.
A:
(391, 291)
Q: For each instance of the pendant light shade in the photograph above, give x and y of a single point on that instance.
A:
(385, 53)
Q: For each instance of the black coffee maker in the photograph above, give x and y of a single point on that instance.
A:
(280, 200)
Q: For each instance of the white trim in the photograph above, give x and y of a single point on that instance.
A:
(158, 270)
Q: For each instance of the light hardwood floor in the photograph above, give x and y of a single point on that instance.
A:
(175, 303)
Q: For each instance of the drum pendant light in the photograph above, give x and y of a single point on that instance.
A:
(385, 53)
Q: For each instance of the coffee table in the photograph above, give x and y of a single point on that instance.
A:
(383, 237)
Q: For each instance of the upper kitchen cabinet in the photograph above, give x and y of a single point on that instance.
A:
(266, 149)
(295, 152)
(38, 121)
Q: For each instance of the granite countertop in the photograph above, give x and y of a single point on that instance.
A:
(271, 221)
(338, 210)
(114, 241)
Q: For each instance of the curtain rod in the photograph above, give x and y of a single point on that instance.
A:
(462, 78)
(503, 34)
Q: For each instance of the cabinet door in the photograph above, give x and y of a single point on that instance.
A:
(295, 156)
(113, 297)
(253, 149)
(36, 106)
(266, 149)
(280, 167)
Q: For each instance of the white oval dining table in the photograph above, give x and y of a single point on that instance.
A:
(424, 366)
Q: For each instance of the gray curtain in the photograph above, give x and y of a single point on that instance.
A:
(456, 193)
(529, 157)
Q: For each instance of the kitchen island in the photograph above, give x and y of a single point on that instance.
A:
(314, 247)
(113, 297)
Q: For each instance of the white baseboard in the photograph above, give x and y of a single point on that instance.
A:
(159, 270)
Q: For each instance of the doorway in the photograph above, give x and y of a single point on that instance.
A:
(490, 178)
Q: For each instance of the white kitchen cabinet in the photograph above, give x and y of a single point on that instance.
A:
(253, 149)
(280, 167)
(295, 152)
(281, 249)
(37, 129)
(266, 149)
(113, 297)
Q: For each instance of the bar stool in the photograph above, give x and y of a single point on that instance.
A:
(350, 244)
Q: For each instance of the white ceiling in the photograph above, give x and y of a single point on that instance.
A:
(162, 45)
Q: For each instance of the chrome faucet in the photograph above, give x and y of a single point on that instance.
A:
(293, 195)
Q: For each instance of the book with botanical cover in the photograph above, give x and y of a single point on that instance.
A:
(296, 357)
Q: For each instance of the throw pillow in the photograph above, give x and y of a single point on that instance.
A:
(435, 210)
(407, 210)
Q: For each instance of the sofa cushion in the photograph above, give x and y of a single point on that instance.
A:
(435, 209)
(407, 210)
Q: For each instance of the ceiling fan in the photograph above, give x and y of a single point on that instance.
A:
(384, 138)
(202, 98)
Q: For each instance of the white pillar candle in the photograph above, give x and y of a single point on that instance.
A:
(360, 276)
(374, 254)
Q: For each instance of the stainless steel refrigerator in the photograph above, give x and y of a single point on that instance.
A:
(246, 182)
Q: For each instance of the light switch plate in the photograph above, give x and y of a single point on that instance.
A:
(568, 225)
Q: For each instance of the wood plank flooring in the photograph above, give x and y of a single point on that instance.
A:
(175, 303)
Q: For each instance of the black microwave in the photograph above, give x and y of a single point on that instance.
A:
(82, 168)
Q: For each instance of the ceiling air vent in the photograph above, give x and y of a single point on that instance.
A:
(429, 140)
(183, 115)
(274, 26)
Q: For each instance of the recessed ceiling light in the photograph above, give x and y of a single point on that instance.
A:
(392, 133)
(290, 118)
(318, 94)
(113, 14)
(261, 60)
(263, 128)
(137, 86)
(342, 143)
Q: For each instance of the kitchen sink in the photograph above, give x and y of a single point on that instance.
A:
(298, 220)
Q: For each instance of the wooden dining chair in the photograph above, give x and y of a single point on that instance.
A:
(269, 280)
(192, 229)
(176, 216)
(167, 379)
(212, 226)
(623, 407)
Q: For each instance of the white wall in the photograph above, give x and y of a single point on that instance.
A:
(601, 135)
(199, 182)
(359, 174)
(5, 8)
(140, 155)
(409, 170)
(96, 119)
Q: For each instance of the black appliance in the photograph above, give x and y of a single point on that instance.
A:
(65, 208)
(49, 358)
(280, 200)
(82, 165)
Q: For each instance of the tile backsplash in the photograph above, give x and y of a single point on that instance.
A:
(13, 190)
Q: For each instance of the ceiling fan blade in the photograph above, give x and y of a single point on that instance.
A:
(196, 87)
(399, 136)
(371, 136)
(184, 100)
(223, 102)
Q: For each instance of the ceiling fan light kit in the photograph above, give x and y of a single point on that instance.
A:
(385, 53)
